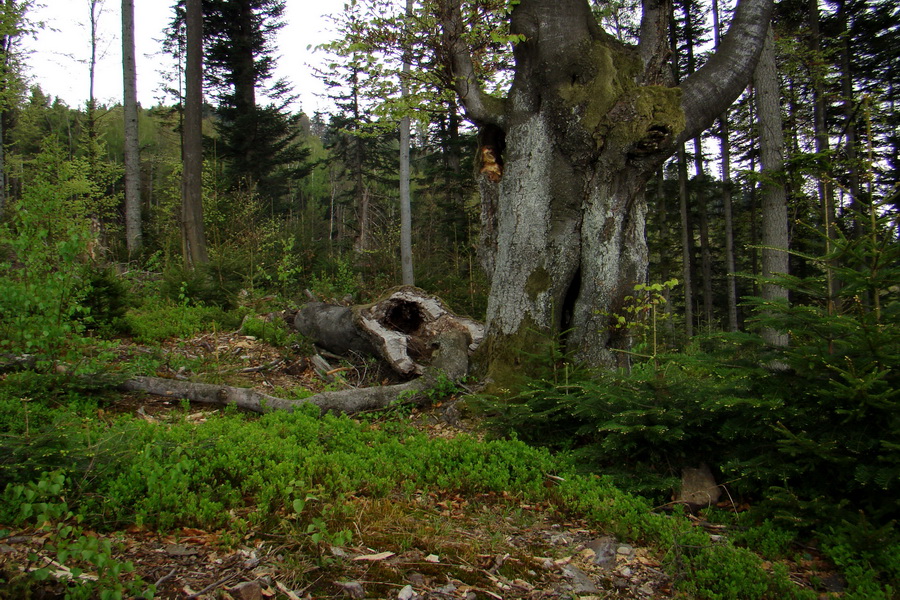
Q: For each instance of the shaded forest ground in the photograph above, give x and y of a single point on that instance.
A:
(450, 540)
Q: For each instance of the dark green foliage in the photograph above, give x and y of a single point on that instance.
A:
(261, 148)
(296, 472)
(866, 555)
(258, 142)
(188, 475)
(642, 426)
(809, 432)
(841, 442)
(812, 427)
(44, 247)
(41, 416)
(106, 302)
(214, 284)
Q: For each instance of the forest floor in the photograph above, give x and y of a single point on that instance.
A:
(431, 546)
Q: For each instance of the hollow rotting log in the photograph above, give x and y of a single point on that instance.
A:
(399, 328)
(414, 332)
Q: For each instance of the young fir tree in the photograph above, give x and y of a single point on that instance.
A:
(258, 141)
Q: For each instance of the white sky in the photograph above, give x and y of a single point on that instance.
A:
(58, 56)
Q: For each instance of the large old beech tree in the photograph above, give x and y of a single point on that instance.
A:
(584, 124)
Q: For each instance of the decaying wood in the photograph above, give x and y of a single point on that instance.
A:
(11, 362)
(400, 328)
(333, 328)
(450, 359)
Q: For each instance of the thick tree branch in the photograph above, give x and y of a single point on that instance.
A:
(482, 108)
(712, 89)
(654, 42)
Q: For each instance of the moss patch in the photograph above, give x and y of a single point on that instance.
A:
(614, 108)
(538, 282)
(507, 361)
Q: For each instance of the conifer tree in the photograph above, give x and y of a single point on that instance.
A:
(258, 141)
(12, 26)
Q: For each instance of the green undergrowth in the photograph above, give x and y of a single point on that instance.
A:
(158, 319)
(307, 475)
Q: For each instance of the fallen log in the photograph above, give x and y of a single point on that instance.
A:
(10, 362)
(450, 359)
(400, 328)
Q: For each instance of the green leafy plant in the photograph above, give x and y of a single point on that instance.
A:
(159, 319)
(271, 331)
(75, 554)
(642, 314)
(337, 279)
(44, 253)
(283, 275)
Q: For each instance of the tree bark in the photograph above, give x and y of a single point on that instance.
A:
(406, 261)
(192, 230)
(728, 205)
(96, 9)
(824, 187)
(725, 151)
(11, 23)
(5, 47)
(132, 147)
(687, 243)
(849, 109)
(774, 197)
(585, 125)
(703, 228)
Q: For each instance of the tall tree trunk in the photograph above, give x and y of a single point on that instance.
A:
(774, 199)
(730, 278)
(725, 154)
(664, 227)
(245, 81)
(687, 243)
(851, 144)
(362, 240)
(5, 47)
(132, 147)
(2, 164)
(406, 261)
(700, 189)
(10, 21)
(825, 189)
(357, 166)
(703, 227)
(96, 9)
(193, 235)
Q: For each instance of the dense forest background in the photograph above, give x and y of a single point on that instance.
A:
(764, 341)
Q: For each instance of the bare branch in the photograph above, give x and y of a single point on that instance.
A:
(712, 89)
(480, 107)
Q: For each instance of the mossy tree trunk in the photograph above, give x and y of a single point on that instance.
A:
(586, 122)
